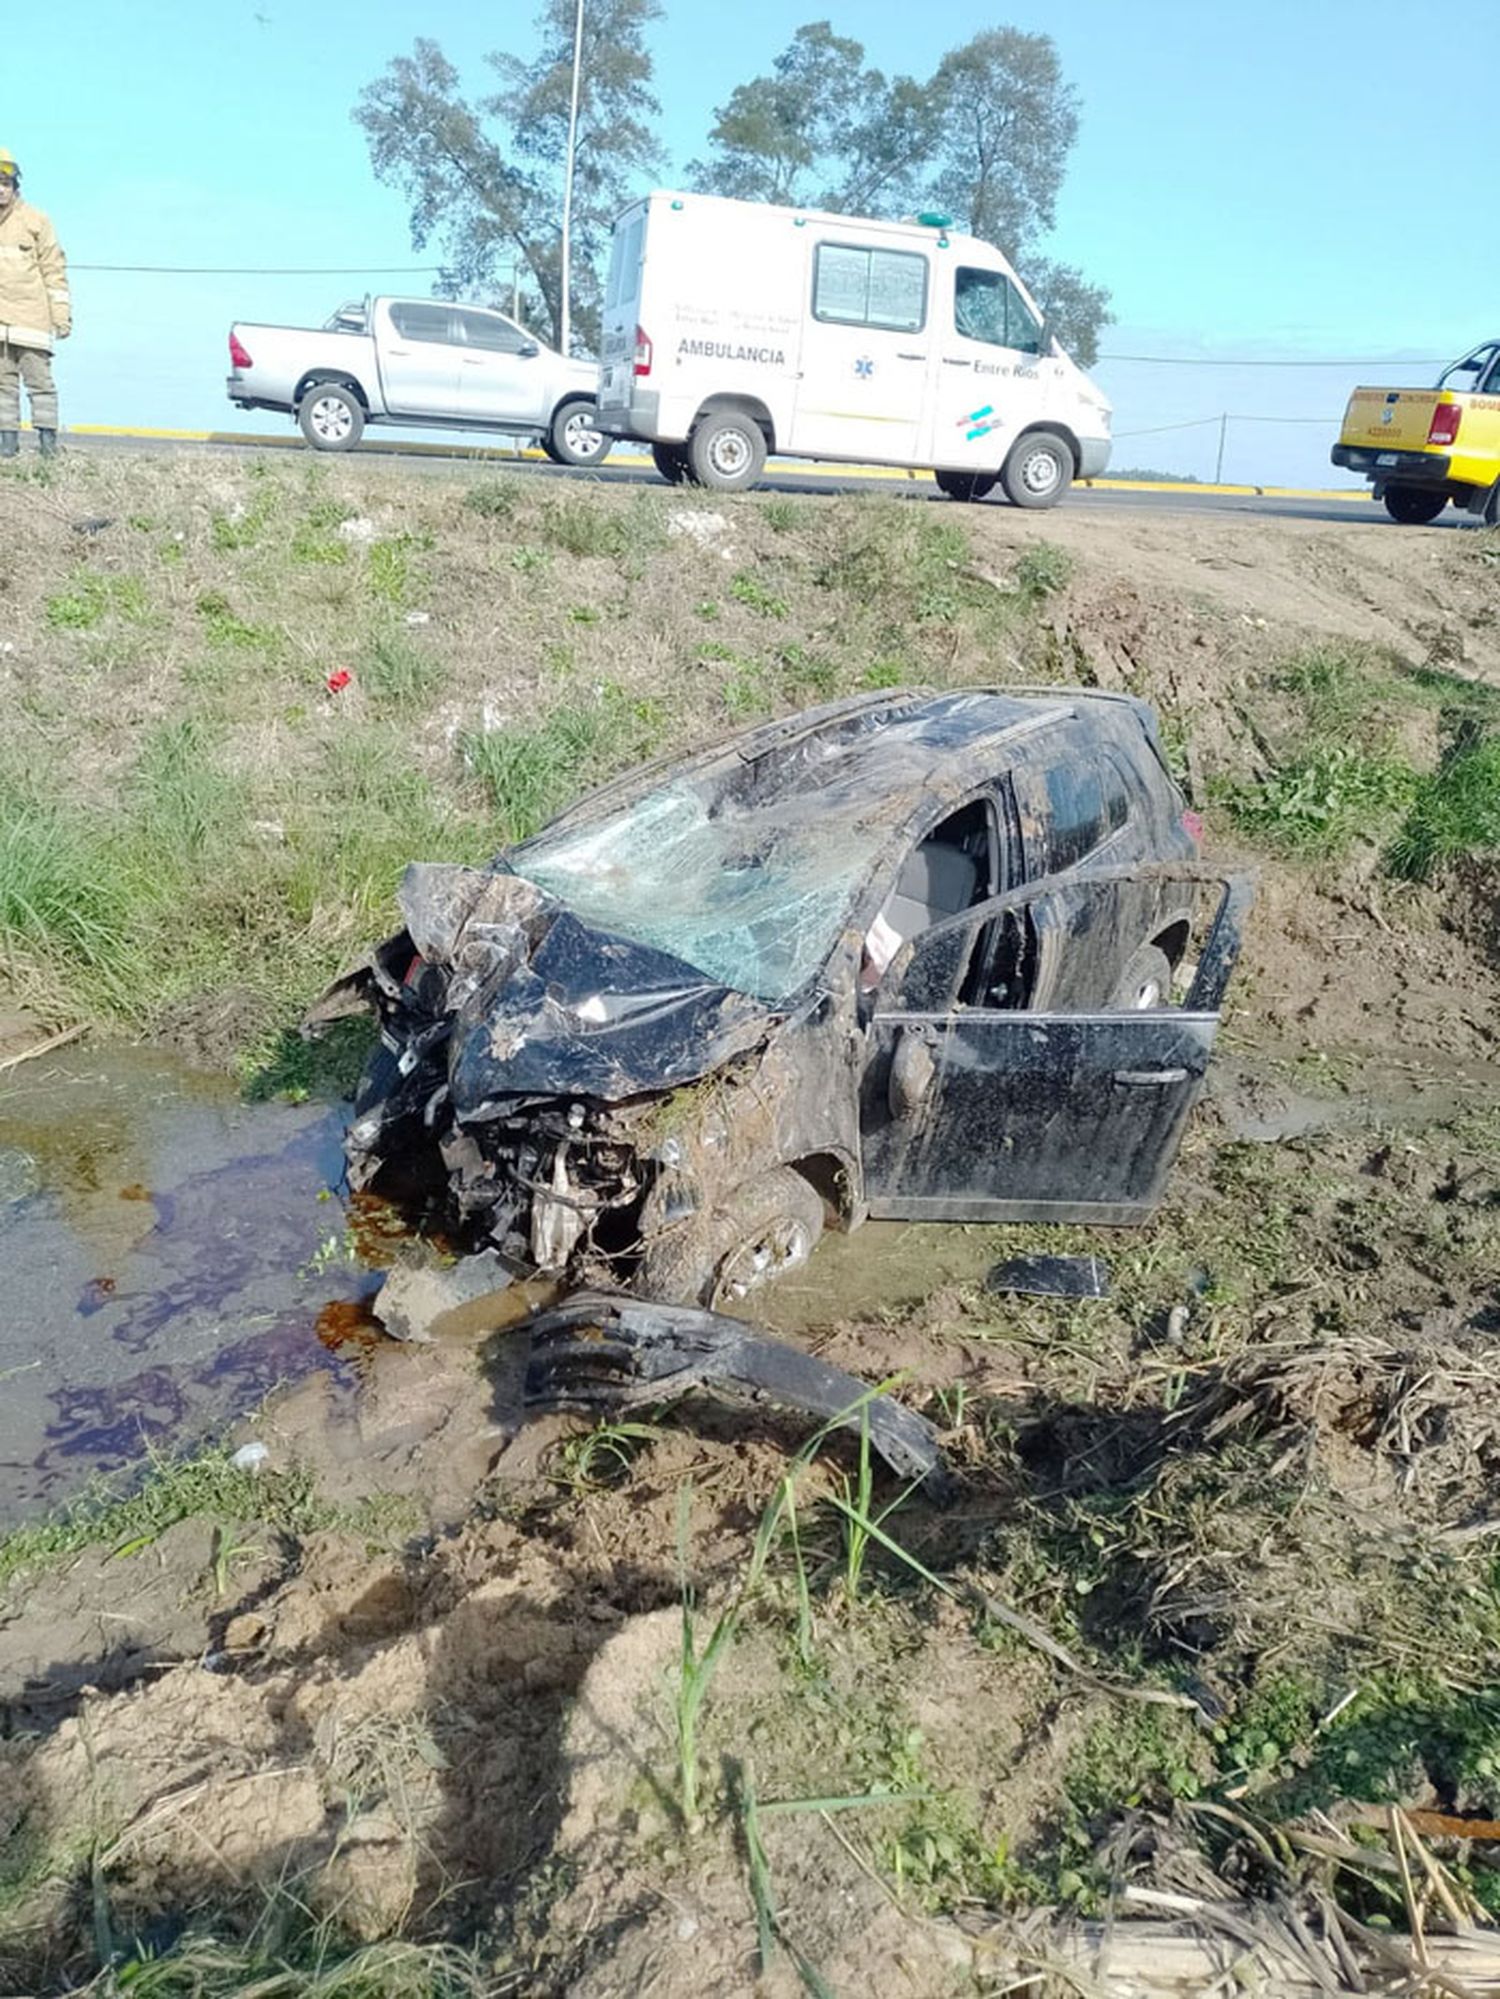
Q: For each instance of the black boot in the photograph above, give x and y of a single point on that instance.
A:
(46, 442)
(10, 443)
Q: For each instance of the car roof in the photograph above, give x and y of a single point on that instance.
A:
(885, 747)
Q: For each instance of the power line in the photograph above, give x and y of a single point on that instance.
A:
(1205, 361)
(278, 271)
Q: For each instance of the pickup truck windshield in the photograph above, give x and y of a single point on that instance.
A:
(753, 893)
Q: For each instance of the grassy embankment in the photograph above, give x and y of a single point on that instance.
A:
(1256, 1509)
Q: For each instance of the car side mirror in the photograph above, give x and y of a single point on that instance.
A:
(528, 350)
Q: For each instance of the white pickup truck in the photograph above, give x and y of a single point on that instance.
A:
(418, 361)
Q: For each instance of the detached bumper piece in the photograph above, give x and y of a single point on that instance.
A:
(602, 1351)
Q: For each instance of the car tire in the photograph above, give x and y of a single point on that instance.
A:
(1039, 469)
(966, 485)
(331, 416)
(726, 452)
(671, 460)
(1413, 506)
(1145, 983)
(720, 1258)
(574, 437)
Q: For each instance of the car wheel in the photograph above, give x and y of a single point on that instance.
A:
(331, 416)
(722, 1257)
(727, 452)
(671, 460)
(1039, 470)
(1413, 506)
(966, 485)
(1145, 983)
(575, 437)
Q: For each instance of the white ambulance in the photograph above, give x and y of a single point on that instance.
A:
(733, 329)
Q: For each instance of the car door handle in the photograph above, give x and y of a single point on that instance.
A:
(955, 361)
(911, 357)
(1147, 1078)
(472, 361)
(398, 350)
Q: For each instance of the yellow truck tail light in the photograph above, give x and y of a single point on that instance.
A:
(1445, 421)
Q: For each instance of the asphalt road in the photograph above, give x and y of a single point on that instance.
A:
(468, 460)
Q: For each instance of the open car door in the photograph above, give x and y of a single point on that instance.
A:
(987, 1111)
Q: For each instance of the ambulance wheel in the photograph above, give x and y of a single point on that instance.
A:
(1413, 506)
(726, 451)
(331, 417)
(966, 485)
(671, 460)
(1038, 471)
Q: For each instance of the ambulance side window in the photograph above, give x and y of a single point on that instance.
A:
(884, 288)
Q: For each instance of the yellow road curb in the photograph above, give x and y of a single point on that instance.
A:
(786, 467)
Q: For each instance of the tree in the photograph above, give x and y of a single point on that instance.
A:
(821, 131)
(1005, 123)
(491, 199)
(1077, 312)
(985, 140)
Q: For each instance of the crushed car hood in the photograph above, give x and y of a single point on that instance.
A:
(543, 1005)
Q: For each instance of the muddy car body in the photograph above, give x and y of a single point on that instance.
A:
(906, 955)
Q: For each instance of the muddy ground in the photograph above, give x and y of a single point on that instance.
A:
(1217, 1588)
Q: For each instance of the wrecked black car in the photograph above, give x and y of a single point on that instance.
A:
(907, 955)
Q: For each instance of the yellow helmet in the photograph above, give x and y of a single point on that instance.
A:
(8, 168)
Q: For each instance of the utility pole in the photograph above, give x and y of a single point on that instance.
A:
(1219, 468)
(565, 329)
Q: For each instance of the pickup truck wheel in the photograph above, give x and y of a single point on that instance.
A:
(1039, 470)
(331, 417)
(671, 460)
(575, 437)
(717, 1259)
(726, 452)
(966, 485)
(1413, 506)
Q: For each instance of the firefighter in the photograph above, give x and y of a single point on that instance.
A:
(35, 311)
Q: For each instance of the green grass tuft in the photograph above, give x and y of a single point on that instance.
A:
(1455, 813)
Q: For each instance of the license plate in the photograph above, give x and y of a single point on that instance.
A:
(1385, 458)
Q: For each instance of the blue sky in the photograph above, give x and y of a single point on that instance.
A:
(1277, 181)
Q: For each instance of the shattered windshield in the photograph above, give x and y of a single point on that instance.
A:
(750, 890)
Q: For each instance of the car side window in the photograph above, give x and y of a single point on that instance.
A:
(1116, 795)
(1076, 813)
(415, 320)
(949, 870)
(489, 331)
